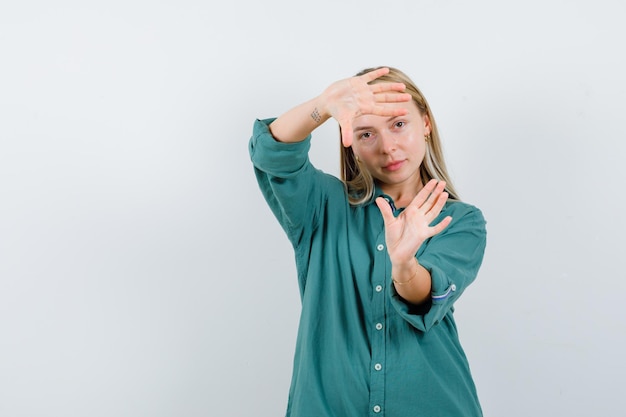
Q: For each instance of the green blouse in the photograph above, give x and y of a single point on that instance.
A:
(361, 350)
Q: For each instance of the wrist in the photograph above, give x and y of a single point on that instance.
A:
(319, 110)
(405, 272)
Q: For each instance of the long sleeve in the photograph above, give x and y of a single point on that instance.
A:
(360, 350)
(453, 259)
(287, 180)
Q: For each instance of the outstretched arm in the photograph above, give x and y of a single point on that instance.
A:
(343, 100)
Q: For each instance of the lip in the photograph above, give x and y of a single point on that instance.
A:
(394, 165)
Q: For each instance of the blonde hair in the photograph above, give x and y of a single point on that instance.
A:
(359, 181)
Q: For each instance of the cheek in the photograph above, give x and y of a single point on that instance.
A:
(415, 145)
(363, 152)
(412, 140)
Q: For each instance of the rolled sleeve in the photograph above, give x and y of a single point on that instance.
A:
(274, 158)
(453, 259)
(290, 184)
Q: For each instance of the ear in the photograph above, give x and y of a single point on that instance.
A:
(427, 125)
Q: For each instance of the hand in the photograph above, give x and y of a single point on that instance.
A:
(406, 233)
(354, 97)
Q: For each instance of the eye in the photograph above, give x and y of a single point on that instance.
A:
(365, 135)
(399, 124)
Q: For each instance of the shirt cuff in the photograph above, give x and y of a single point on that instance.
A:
(279, 159)
(432, 311)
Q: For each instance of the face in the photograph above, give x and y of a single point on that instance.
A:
(392, 149)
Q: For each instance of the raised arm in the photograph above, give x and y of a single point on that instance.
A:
(343, 100)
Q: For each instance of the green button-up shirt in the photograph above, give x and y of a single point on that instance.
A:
(361, 349)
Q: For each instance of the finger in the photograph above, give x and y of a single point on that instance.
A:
(392, 97)
(387, 111)
(429, 188)
(384, 87)
(436, 207)
(372, 75)
(385, 210)
(346, 133)
(434, 195)
(423, 194)
(439, 227)
(435, 201)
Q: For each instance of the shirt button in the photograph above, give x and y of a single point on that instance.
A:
(377, 408)
(380, 247)
(379, 326)
(378, 367)
(379, 288)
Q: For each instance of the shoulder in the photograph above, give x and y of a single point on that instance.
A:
(463, 213)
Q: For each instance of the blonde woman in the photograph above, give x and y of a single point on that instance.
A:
(381, 255)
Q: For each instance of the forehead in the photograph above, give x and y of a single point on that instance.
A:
(373, 120)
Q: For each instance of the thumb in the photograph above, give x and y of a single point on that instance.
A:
(346, 133)
(385, 210)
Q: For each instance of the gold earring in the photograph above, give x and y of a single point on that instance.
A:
(427, 137)
(357, 158)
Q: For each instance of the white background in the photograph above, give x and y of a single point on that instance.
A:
(142, 274)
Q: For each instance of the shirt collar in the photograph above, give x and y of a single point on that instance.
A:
(378, 192)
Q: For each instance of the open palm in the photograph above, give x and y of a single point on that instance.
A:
(406, 233)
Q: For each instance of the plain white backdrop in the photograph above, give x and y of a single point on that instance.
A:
(142, 274)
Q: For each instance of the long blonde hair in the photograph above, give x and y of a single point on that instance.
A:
(360, 183)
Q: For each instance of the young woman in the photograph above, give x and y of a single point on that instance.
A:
(381, 255)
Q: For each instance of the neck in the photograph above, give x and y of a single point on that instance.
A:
(402, 194)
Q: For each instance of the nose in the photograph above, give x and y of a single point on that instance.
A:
(388, 143)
